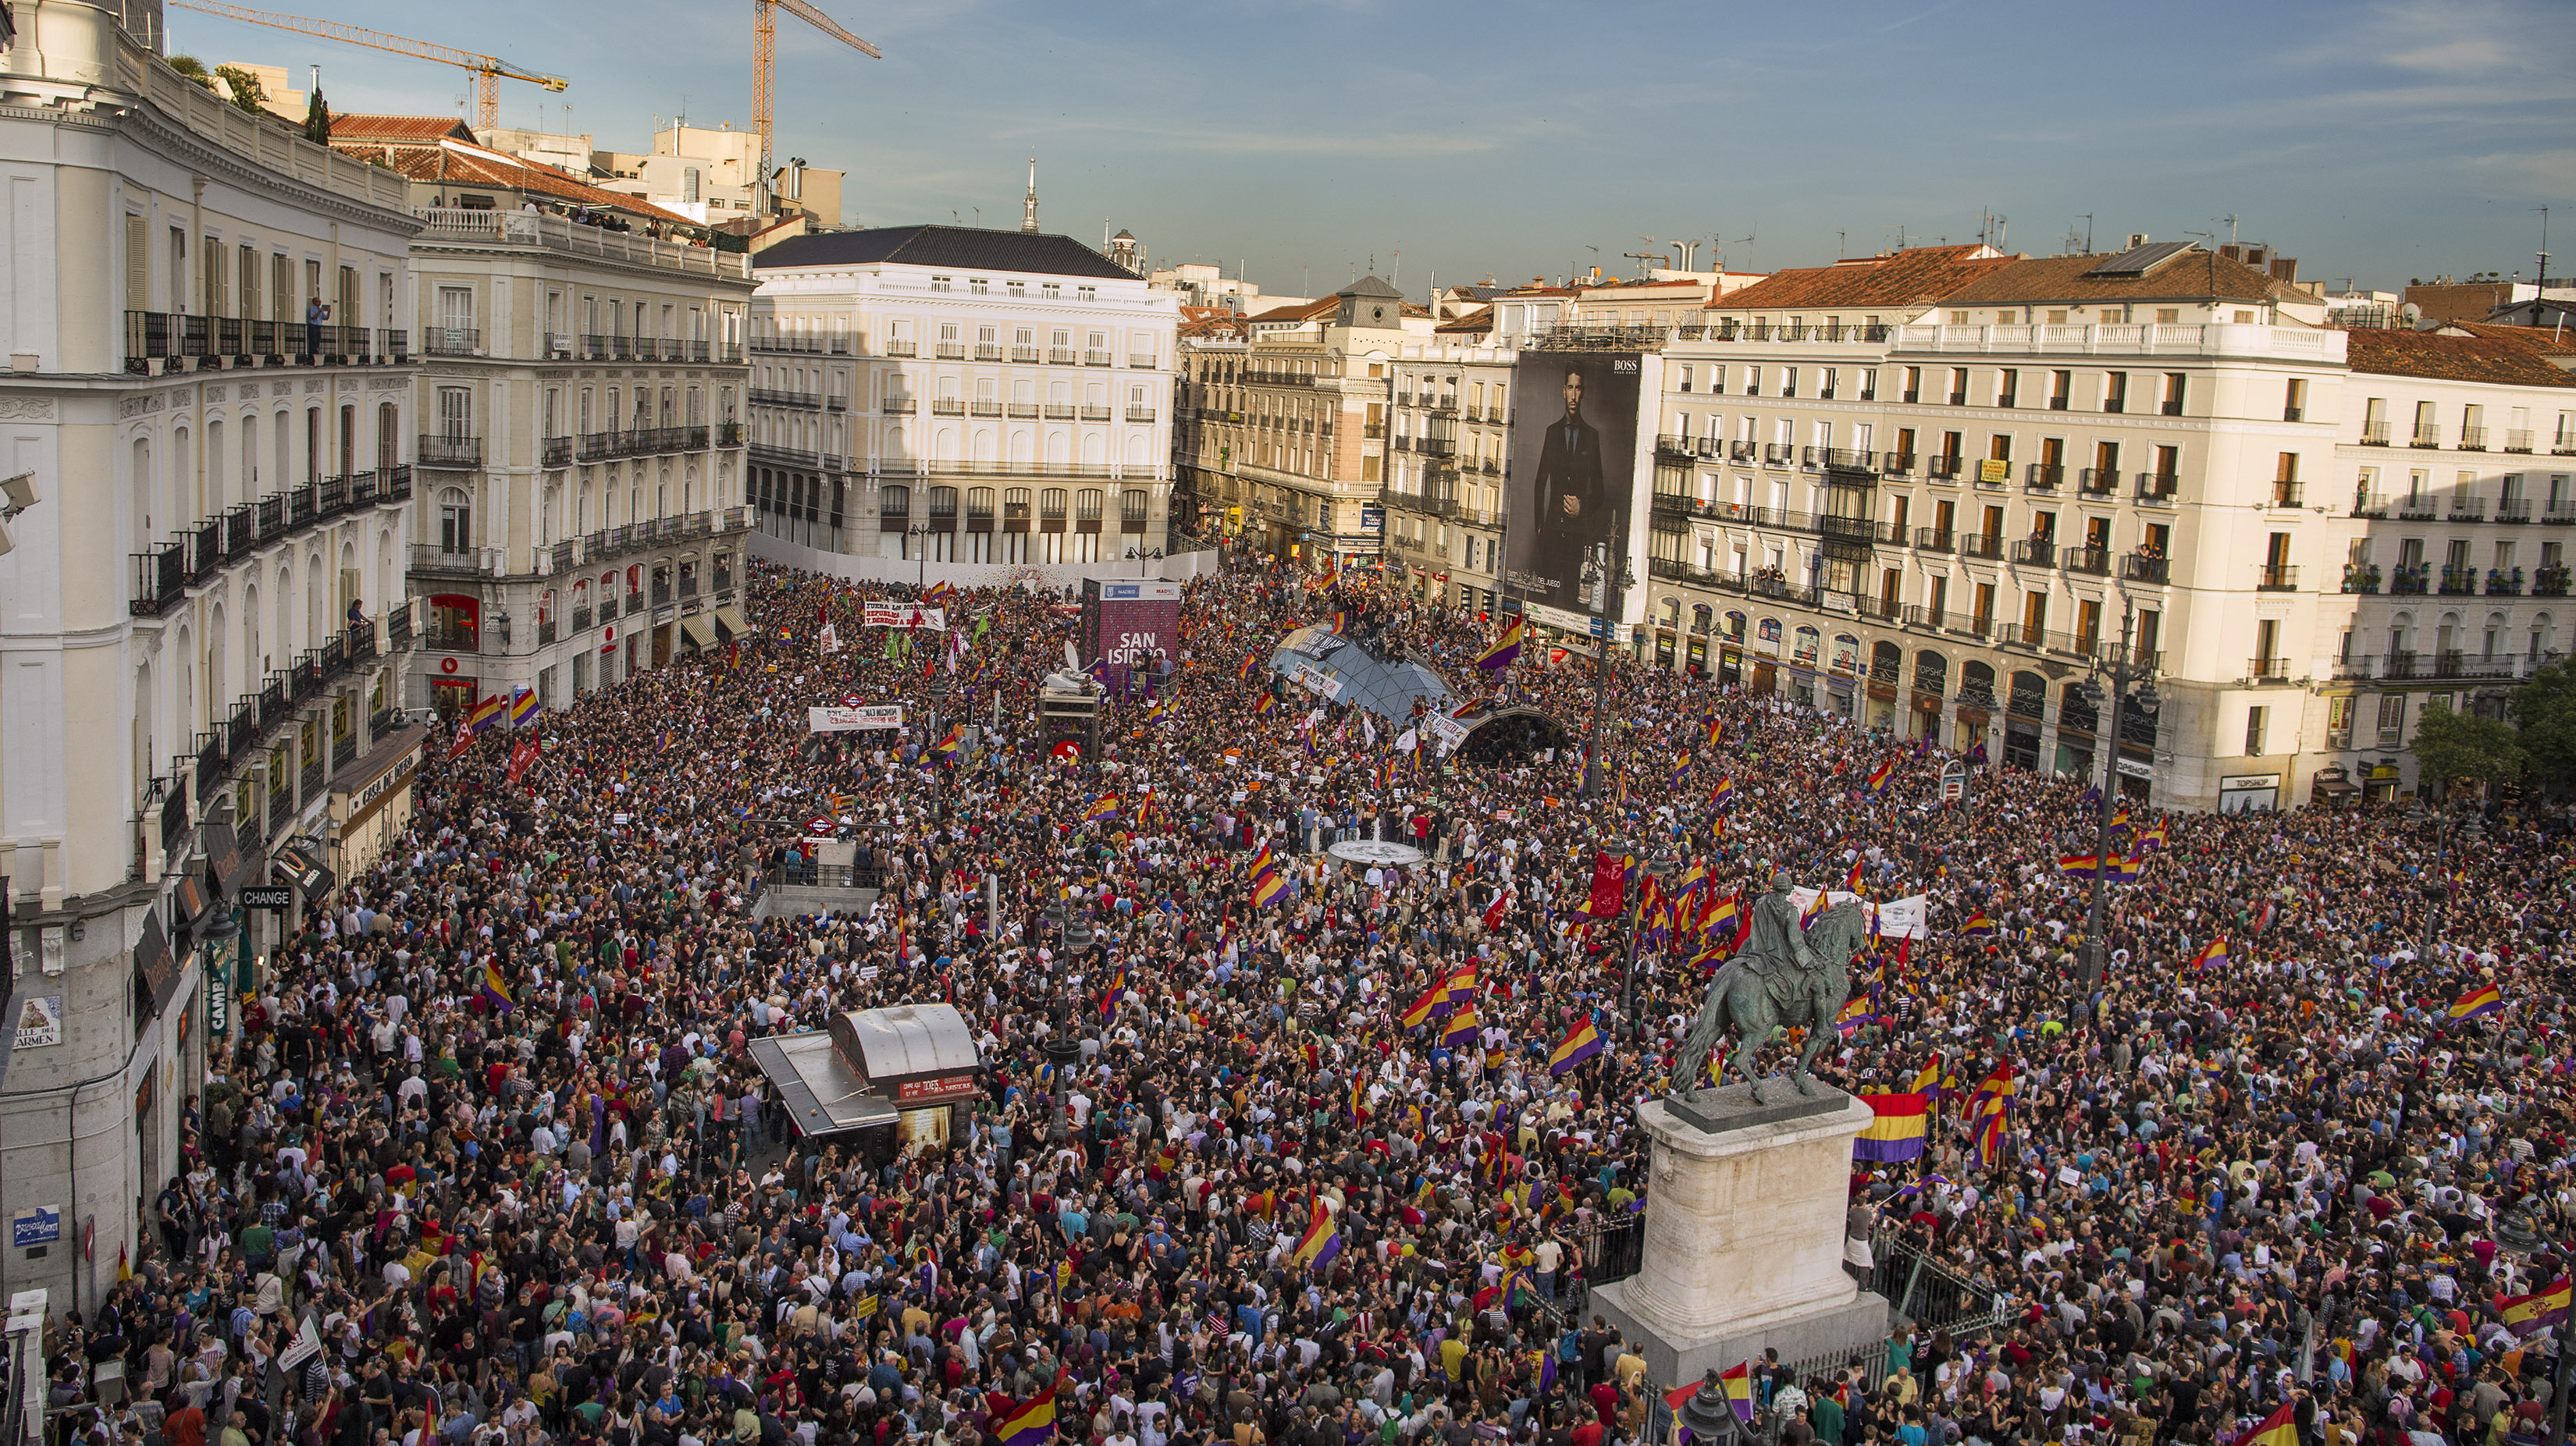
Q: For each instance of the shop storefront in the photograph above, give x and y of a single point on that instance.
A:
(2249, 793)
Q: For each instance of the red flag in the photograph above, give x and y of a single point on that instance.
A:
(522, 758)
(1494, 911)
(464, 737)
(1609, 887)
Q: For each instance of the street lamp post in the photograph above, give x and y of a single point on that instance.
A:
(2519, 1230)
(1608, 578)
(2446, 827)
(1660, 866)
(1144, 556)
(2124, 669)
(921, 564)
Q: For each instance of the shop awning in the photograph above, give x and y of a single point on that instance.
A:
(156, 965)
(823, 1095)
(303, 863)
(699, 631)
(223, 855)
(729, 618)
(2334, 783)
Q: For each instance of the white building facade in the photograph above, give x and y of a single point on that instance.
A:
(203, 611)
(2455, 492)
(583, 405)
(954, 394)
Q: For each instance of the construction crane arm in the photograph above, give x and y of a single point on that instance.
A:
(825, 23)
(380, 40)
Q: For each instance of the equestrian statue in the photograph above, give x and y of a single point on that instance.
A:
(1784, 974)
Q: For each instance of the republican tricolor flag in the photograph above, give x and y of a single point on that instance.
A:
(2485, 999)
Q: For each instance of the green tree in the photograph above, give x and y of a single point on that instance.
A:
(2451, 747)
(248, 94)
(317, 120)
(193, 68)
(2545, 709)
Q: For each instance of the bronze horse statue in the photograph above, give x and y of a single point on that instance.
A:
(1753, 996)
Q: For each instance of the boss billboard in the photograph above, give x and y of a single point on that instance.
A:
(1133, 627)
(1573, 472)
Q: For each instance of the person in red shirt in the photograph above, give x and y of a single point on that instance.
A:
(185, 1427)
(1605, 1402)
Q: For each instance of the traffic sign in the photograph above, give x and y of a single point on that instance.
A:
(271, 897)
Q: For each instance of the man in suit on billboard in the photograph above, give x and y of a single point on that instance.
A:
(1575, 508)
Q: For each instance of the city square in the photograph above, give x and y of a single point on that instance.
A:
(652, 827)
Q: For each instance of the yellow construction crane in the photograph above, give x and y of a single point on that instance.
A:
(488, 69)
(764, 56)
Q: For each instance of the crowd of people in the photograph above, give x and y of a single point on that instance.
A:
(491, 1122)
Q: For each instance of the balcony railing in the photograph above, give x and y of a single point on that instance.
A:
(452, 341)
(2142, 567)
(2097, 481)
(1946, 468)
(2044, 477)
(437, 450)
(2158, 488)
(2267, 670)
(2095, 560)
(2473, 439)
(896, 406)
(2468, 509)
(784, 397)
(2513, 509)
(555, 452)
(1934, 539)
(1976, 544)
(2428, 434)
(1140, 414)
(2035, 551)
(2277, 578)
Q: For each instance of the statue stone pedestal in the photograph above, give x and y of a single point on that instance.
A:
(1743, 1249)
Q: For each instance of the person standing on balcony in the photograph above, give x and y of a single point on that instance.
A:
(316, 312)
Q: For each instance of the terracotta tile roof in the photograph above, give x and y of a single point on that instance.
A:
(1918, 276)
(1304, 311)
(2544, 340)
(418, 129)
(2451, 358)
(1479, 322)
(2193, 275)
(444, 161)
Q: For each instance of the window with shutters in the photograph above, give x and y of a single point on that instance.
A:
(456, 413)
(138, 266)
(247, 303)
(281, 288)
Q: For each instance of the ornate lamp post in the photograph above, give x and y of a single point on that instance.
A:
(2124, 669)
(1607, 580)
(1710, 1417)
(2521, 1230)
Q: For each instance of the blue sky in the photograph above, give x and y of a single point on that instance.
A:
(2380, 142)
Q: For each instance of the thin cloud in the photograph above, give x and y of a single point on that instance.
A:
(1388, 144)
